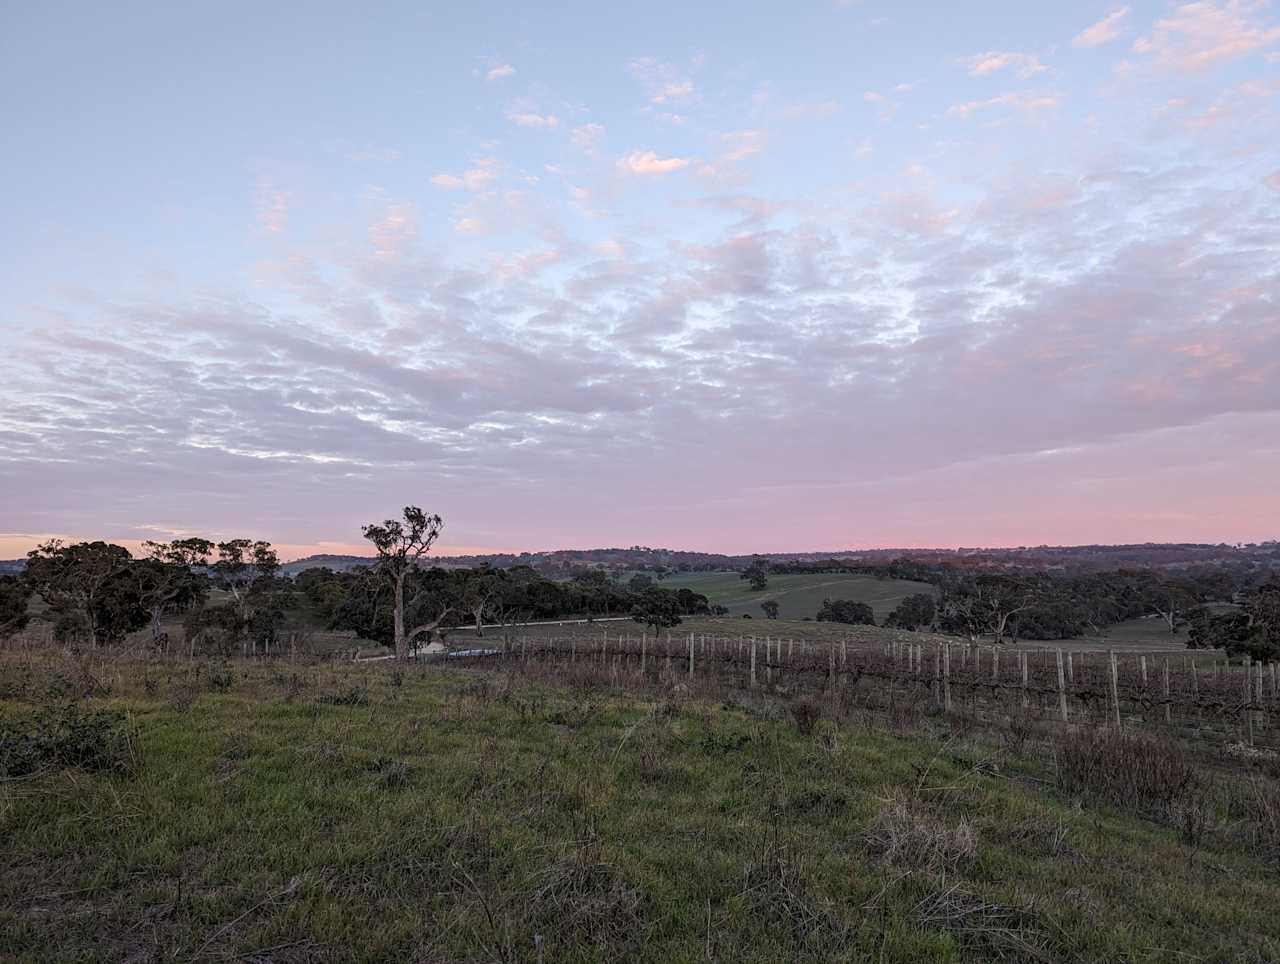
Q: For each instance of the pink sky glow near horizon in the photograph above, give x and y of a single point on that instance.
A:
(834, 276)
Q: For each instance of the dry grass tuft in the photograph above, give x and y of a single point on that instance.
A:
(907, 832)
(991, 931)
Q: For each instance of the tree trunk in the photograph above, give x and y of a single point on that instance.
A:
(402, 644)
(427, 628)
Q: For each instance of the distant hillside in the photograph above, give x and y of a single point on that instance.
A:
(336, 563)
(1266, 554)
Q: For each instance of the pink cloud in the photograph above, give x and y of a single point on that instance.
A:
(1104, 31)
(272, 208)
(1024, 102)
(1198, 35)
(993, 61)
(648, 162)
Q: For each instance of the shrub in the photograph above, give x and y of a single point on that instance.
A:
(1126, 770)
(846, 611)
(67, 737)
(1257, 799)
(805, 714)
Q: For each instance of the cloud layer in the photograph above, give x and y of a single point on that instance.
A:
(1037, 321)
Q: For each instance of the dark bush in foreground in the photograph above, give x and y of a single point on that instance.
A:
(67, 737)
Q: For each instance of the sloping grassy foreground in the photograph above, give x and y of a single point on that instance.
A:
(312, 813)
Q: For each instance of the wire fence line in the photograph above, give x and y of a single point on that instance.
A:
(1202, 693)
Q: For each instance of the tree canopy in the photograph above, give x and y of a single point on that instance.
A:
(846, 611)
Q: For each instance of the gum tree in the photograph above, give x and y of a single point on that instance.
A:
(401, 545)
(172, 575)
(75, 581)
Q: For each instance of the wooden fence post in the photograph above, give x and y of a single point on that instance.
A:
(1142, 660)
(1257, 690)
(1024, 679)
(691, 656)
(753, 662)
(1115, 689)
(1062, 689)
(946, 677)
(937, 674)
(643, 652)
(995, 665)
(1248, 695)
(1168, 710)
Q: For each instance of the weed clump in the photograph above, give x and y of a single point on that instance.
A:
(65, 737)
(717, 744)
(352, 696)
(582, 901)
(805, 714)
(777, 890)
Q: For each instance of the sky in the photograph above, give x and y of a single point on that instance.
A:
(750, 277)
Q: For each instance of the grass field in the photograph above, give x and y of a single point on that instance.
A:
(797, 595)
(290, 812)
(758, 626)
(1148, 632)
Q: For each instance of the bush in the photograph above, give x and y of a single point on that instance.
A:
(67, 737)
(1126, 770)
(846, 611)
(805, 714)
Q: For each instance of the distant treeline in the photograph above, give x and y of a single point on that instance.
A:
(98, 592)
(1041, 604)
(649, 559)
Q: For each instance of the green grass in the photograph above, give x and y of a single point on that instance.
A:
(797, 595)
(1150, 632)
(335, 813)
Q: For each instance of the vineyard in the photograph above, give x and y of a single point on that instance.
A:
(1196, 695)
